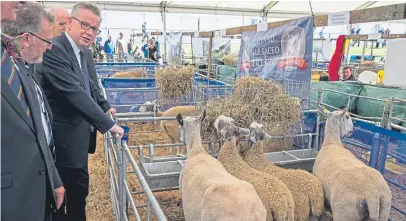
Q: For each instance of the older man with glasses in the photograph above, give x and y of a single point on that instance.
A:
(71, 95)
(31, 188)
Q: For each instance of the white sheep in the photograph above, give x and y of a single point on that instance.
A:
(354, 190)
(306, 189)
(209, 192)
(274, 194)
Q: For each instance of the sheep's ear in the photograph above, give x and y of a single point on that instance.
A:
(343, 111)
(202, 116)
(179, 119)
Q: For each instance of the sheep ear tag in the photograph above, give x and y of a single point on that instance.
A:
(182, 163)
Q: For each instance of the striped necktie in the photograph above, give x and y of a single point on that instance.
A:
(85, 73)
(9, 73)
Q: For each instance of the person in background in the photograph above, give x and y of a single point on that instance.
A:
(347, 74)
(144, 31)
(71, 95)
(130, 46)
(61, 17)
(121, 47)
(157, 46)
(108, 48)
(321, 33)
(151, 50)
(387, 32)
(145, 49)
(380, 31)
(31, 188)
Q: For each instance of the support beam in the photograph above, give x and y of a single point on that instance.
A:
(270, 5)
(366, 5)
(177, 8)
(377, 14)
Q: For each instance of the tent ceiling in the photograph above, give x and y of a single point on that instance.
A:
(277, 9)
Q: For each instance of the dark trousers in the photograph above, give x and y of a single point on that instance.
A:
(76, 183)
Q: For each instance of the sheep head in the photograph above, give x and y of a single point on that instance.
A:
(189, 126)
(340, 117)
(257, 132)
(226, 129)
(221, 122)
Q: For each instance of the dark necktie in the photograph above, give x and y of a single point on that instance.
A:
(9, 73)
(85, 74)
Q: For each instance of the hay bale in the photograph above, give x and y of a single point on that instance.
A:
(174, 83)
(258, 100)
(230, 59)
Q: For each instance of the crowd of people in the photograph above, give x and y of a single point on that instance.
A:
(121, 48)
(51, 110)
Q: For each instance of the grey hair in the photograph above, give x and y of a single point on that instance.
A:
(29, 19)
(85, 5)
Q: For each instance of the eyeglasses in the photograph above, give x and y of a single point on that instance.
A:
(86, 26)
(49, 42)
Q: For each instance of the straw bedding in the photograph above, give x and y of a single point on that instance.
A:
(174, 83)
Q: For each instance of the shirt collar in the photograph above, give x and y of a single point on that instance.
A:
(75, 47)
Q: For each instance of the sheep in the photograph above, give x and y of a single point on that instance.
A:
(306, 189)
(170, 127)
(136, 73)
(274, 194)
(209, 192)
(354, 190)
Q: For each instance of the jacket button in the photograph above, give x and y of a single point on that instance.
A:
(41, 172)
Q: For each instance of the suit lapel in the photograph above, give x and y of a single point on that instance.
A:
(71, 53)
(9, 95)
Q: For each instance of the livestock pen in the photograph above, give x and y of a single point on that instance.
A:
(379, 134)
(105, 69)
(149, 176)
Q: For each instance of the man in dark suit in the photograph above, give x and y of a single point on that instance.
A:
(71, 95)
(30, 184)
(61, 17)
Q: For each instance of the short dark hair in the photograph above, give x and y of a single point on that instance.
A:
(347, 67)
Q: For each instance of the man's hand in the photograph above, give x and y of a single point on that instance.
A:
(112, 111)
(60, 194)
(117, 129)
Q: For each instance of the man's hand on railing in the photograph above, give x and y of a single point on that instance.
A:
(112, 111)
(117, 129)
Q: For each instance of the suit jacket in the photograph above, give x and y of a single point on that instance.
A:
(28, 172)
(101, 101)
(73, 109)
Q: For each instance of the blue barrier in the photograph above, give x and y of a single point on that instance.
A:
(143, 90)
(104, 69)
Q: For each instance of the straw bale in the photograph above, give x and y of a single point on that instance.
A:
(258, 100)
(230, 59)
(174, 83)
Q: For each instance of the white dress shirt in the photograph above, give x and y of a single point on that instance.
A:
(75, 48)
